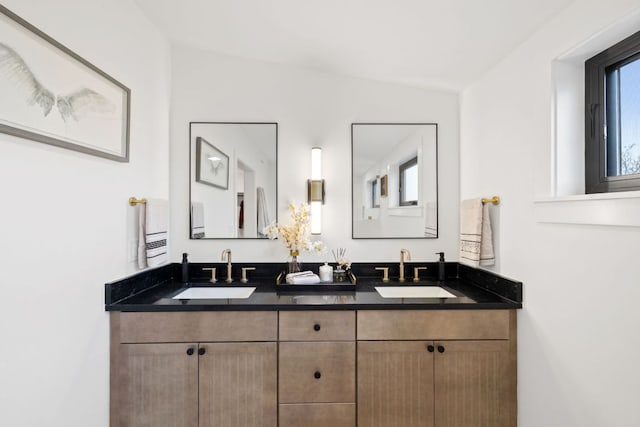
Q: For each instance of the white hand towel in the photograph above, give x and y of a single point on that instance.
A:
(142, 238)
(263, 212)
(197, 220)
(431, 220)
(303, 278)
(476, 246)
(156, 232)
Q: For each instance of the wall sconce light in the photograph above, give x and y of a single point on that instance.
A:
(315, 190)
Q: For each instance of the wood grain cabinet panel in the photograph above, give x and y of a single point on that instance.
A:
(317, 372)
(158, 386)
(198, 326)
(441, 383)
(472, 383)
(238, 384)
(190, 384)
(318, 415)
(433, 324)
(317, 325)
(395, 384)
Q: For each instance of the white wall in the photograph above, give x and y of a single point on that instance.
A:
(312, 109)
(578, 344)
(65, 223)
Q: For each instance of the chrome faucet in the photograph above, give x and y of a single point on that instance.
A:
(403, 252)
(228, 253)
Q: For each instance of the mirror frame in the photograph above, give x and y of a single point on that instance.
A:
(190, 181)
(437, 182)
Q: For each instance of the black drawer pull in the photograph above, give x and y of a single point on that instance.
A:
(316, 327)
(430, 348)
(190, 351)
(441, 349)
(317, 375)
(201, 351)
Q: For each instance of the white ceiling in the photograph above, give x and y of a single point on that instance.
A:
(431, 43)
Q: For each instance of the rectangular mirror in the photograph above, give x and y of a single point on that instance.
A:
(233, 179)
(394, 180)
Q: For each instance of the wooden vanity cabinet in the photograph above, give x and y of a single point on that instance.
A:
(218, 371)
(437, 368)
(314, 368)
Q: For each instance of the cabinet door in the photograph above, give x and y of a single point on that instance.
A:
(395, 384)
(238, 384)
(158, 386)
(472, 384)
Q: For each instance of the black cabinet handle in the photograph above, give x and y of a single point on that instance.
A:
(441, 349)
(317, 375)
(430, 348)
(190, 351)
(316, 327)
(201, 351)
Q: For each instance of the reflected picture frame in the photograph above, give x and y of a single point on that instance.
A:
(212, 165)
(384, 186)
(54, 96)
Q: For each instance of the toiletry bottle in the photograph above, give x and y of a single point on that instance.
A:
(184, 277)
(441, 267)
(326, 273)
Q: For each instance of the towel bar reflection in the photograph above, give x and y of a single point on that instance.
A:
(495, 200)
(133, 201)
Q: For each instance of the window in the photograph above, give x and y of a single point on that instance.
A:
(375, 195)
(612, 118)
(409, 183)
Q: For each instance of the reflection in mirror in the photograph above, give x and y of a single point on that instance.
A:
(233, 179)
(394, 180)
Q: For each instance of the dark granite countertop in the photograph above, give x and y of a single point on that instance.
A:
(153, 290)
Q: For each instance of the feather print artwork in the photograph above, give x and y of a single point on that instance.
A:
(73, 105)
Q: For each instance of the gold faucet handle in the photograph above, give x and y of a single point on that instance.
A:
(213, 274)
(385, 271)
(244, 273)
(416, 273)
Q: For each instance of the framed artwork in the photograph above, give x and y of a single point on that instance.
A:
(52, 95)
(384, 186)
(212, 165)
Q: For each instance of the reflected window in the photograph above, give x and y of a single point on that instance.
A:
(375, 194)
(409, 183)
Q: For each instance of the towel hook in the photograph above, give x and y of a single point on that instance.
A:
(495, 200)
(133, 201)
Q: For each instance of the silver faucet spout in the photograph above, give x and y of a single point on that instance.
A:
(227, 252)
(403, 253)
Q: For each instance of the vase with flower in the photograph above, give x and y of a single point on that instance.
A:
(295, 235)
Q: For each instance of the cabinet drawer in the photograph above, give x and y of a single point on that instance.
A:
(433, 324)
(317, 325)
(318, 415)
(318, 372)
(198, 326)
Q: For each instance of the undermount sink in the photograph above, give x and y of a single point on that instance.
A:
(413, 292)
(216, 293)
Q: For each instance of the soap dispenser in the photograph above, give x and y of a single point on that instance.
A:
(441, 267)
(184, 277)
